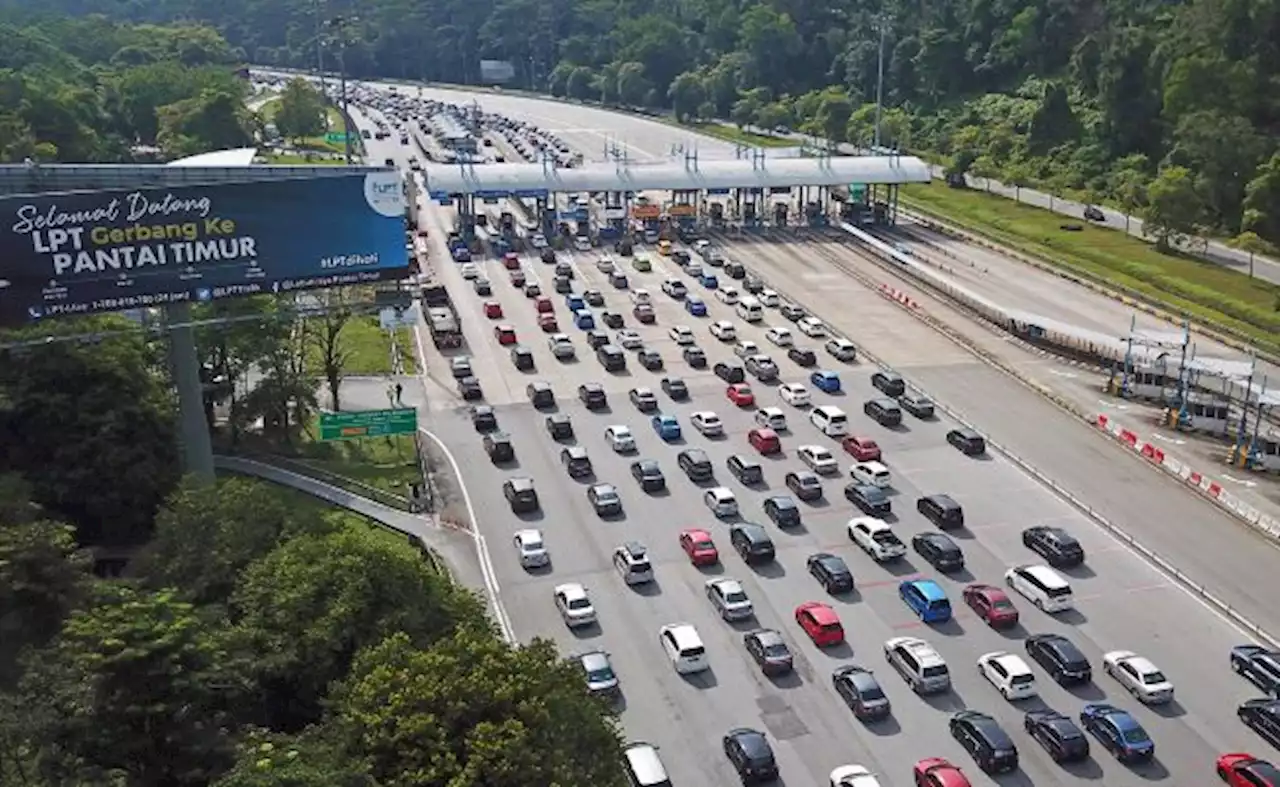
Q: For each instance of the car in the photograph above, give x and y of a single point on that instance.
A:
(861, 448)
(460, 366)
(574, 605)
(666, 427)
(511, 261)
(860, 690)
(681, 335)
(729, 598)
(619, 280)
(805, 485)
(871, 474)
(1141, 678)
(576, 461)
(740, 394)
(985, 741)
(769, 298)
(643, 399)
(825, 381)
(752, 543)
(522, 358)
(538, 241)
(612, 320)
(747, 470)
(482, 286)
(792, 312)
(695, 357)
(696, 465)
(794, 394)
(1057, 734)
(1042, 586)
(917, 404)
(597, 339)
(919, 664)
(548, 323)
(831, 572)
(812, 327)
(889, 383)
(631, 560)
(802, 356)
(675, 388)
(721, 501)
(761, 367)
(769, 651)
(771, 417)
(1059, 548)
(470, 271)
(939, 551)
(493, 310)
(753, 285)
(729, 373)
(727, 295)
(531, 549)
(697, 544)
(519, 280)
(599, 674)
(650, 359)
(821, 623)
(765, 441)
(628, 339)
(751, 755)
(927, 599)
(870, 500)
(1263, 717)
(593, 298)
(876, 538)
(592, 396)
(620, 439)
(967, 442)
(505, 334)
(675, 288)
(532, 290)
(541, 395)
(819, 459)
(782, 511)
(780, 336)
(559, 426)
(853, 776)
(604, 499)
(944, 512)
(1258, 665)
(1245, 770)
(695, 306)
(709, 280)
(1060, 658)
(938, 772)
(1094, 213)
(561, 346)
(707, 423)
(572, 303)
(992, 605)
(644, 314)
(746, 349)
(1009, 674)
(606, 265)
(1118, 732)
(483, 418)
(724, 331)
(469, 389)
(842, 350)
(649, 475)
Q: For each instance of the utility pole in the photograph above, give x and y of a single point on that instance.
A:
(339, 23)
(880, 81)
(319, 12)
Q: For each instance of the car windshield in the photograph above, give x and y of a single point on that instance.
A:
(1002, 603)
(937, 671)
(873, 494)
(703, 544)
(1023, 679)
(869, 690)
(1135, 735)
(532, 545)
(735, 596)
(600, 675)
(1153, 677)
(886, 538)
(776, 650)
(579, 603)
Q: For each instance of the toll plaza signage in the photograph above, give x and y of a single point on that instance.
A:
(646, 212)
(368, 423)
(100, 251)
(681, 210)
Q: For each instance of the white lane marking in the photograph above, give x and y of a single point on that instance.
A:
(1068, 375)
(1240, 481)
(1167, 439)
(1110, 405)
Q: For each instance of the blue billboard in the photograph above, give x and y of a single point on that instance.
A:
(100, 251)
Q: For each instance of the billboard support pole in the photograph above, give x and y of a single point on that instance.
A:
(184, 363)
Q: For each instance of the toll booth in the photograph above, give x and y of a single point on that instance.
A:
(752, 207)
(713, 207)
(814, 215)
(780, 210)
(779, 206)
(650, 218)
(854, 204)
(749, 216)
(1198, 415)
(1260, 453)
(683, 209)
(614, 224)
(715, 215)
(548, 219)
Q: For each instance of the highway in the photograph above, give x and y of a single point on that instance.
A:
(1123, 602)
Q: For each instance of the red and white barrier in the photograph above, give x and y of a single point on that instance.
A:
(894, 294)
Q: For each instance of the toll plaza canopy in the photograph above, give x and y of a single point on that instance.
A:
(535, 180)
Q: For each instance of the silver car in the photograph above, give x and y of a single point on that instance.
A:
(729, 599)
(601, 679)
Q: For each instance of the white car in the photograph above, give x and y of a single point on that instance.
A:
(818, 459)
(539, 241)
(606, 265)
(575, 608)
(694, 269)
(853, 776)
(675, 288)
(876, 538)
(721, 501)
(780, 336)
(769, 298)
(641, 296)
(813, 327)
(681, 335)
(620, 439)
(1139, 676)
(772, 417)
(1009, 674)
(794, 394)
(842, 350)
(746, 349)
(724, 330)
(531, 548)
(561, 346)
(871, 474)
(727, 295)
(582, 243)
(628, 339)
(707, 423)
(1042, 586)
(470, 271)
(729, 599)
(684, 647)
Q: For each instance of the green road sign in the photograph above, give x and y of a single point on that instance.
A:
(336, 137)
(858, 192)
(368, 423)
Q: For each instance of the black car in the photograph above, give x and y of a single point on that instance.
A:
(650, 359)
(1263, 717)
(967, 441)
(593, 297)
(803, 356)
(1259, 666)
(942, 511)
(576, 462)
(751, 755)
(985, 740)
(647, 473)
(792, 312)
(1094, 213)
(541, 395)
(883, 411)
(592, 396)
(1058, 734)
(831, 572)
(939, 551)
(752, 543)
(597, 339)
(521, 495)
(469, 389)
(769, 650)
(753, 285)
(548, 256)
(614, 320)
(804, 484)
(675, 388)
(1058, 547)
(918, 405)
(695, 357)
(498, 446)
(747, 470)
(482, 287)
(559, 426)
(483, 418)
(604, 499)
(729, 373)
(782, 510)
(643, 399)
(696, 464)
(564, 269)
(860, 690)
(522, 358)
(735, 270)
(889, 383)
(1060, 658)
(562, 284)
(870, 500)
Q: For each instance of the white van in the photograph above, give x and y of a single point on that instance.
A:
(831, 421)
(872, 474)
(1042, 586)
(749, 309)
(684, 647)
(643, 765)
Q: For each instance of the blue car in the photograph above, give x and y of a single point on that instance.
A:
(1118, 731)
(584, 319)
(710, 281)
(927, 599)
(574, 303)
(828, 382)
(667, 427)
(695, 306)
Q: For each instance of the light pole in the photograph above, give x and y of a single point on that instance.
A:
(340, 23)
(879, 83)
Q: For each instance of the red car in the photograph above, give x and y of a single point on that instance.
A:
(697, 544)
(740, 394)
(764, 440)
(492, 310)
(511, 260)
(505, 334)
(821, 623)
(1245, 770)
(992, 605)
(543, 304)
(864, 449)
(548, 324)
(938, 772)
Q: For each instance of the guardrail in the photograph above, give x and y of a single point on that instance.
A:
(301, 467)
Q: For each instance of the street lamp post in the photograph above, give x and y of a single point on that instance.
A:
(339, 23)
(879, 82)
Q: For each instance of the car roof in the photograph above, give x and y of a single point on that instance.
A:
(768, 637)
(781, 501)
(529, 534)
(873, 525)
(571, 590)
(931, 590)
(753, 742)
(822, 613)
(1011, 662)
(750, 530)
(635, 548)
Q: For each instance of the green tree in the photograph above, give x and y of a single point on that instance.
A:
(214, 120)
(301, 111)
(233, 336)
(508, 717)
(310, 759)
(1221, 151)
(1173, 208)
(1018, 175)
(834, 111)
(1262, 201)
(328, 341)
(745, 112)
(1252, 244)
(633, 86)
(578, 83)
(1129, 186)
(686, 96)
(775, 115)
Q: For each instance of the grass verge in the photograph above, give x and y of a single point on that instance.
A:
(368, 348)
(1208, 293)
(734, 134)
(385, 464)
(318, 144)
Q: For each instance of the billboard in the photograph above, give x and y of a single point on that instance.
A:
(496, 72)
(101, 251)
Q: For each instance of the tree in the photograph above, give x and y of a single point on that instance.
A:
(633, 87)
(1221, 151)
(301, 111)
(1262, 201)
(706, 111)
(214, 120)
(233, 336)
(1173, 208)
(834, 111)
(686, 94)
(327, 340)
(1251, 244)
(745, 112)
(311, 759)
(578, 83)
(509, 717)
(775, 115)
(1129, 185)
(1018, 175)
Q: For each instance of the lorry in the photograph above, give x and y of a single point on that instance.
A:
(442, 317)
